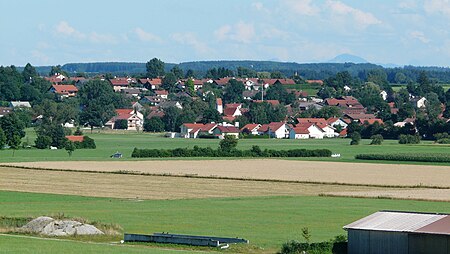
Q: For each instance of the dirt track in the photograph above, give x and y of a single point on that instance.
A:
(308, 171)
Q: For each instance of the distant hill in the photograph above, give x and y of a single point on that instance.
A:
(348, 58)
(306, 70)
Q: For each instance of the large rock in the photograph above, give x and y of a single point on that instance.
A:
(51, 227)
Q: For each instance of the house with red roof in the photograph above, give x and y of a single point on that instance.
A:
(64, 90)
(251, 128)
(306, 130)
(275, 130)
(219, 105)
(134, 118)
(222, 131)
(232, 110)
(162, 93)
(119, 83)
(194, 130)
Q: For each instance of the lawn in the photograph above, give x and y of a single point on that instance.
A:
(266, 221)
(124, 142)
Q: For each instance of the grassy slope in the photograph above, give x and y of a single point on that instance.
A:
(266, 221)
(108, 144)
(13, 244)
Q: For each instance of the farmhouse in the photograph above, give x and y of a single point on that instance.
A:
(193, 130)
(251, 128)
(135, 119)
(306, 130)
(19, 104)
(397, 232)
(5, 111)
(275, 130)
(119, 83)
(64, 90)
(222, 131)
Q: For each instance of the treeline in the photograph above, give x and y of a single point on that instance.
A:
(287, 69)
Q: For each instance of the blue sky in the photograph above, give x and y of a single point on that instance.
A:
(50, 32)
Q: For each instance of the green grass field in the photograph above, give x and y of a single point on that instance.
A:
(124, 142)
(266, 221)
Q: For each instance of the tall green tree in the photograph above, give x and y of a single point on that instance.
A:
(13, 129)
(233, 91)
(155, 68)
(177, 71)
(29, 72)
(96, 99)
(169, 82)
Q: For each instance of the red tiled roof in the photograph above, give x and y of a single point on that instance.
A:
(229, 118)
(75, 138)
(119, 82)
(219, 101)
(229, 111)
(361, 116)
(200, 126)
(228, 129)
(301, 130)
(315, 81)
(317, 121)
(286, 81)
(65, 89)
(161, 92)
(250, 126)
(272, 102)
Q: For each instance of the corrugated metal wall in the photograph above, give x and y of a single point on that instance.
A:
(377, 242)
(380, 242)
(427, 243)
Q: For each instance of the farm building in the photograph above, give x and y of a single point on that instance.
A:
(393, 232)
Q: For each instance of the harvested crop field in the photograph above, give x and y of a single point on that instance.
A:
(272, 169)
(166, 187)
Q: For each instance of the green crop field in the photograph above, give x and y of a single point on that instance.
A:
(266, 221)
(124, 142)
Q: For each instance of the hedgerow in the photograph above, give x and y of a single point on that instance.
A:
(209, 152)
(405, 157)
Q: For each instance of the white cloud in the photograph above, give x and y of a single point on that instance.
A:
(223, 32)
(302, 7)
(146, 36)
(419, 36)
(191, 39)
(240, 32)
(102, 38)
(63, 28)
(362, 19)
(437, 6)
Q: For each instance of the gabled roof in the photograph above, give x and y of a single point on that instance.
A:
(251, 127)
(200, 126)
(409, 222)
(314, 81)
(228, 129)
(119, 82)
(286, 81)
(321, 121)
(64, 89)
(161, 92)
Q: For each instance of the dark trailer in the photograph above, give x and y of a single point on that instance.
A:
(395, 232)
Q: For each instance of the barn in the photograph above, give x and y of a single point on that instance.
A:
(396, 232)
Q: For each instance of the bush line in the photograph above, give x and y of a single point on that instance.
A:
(405, 157)
(209, 152)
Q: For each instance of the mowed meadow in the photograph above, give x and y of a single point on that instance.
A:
(110, 142)
(266, 221)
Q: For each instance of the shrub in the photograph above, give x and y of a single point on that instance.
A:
(121, 124)
(43, 142)
(356, 137)
(409, 139)
(405, 157)
(154, 124)
(228, 143)
(338, 245)
(443, 141)
(377, 139)
(87, 143)
(78, 132)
